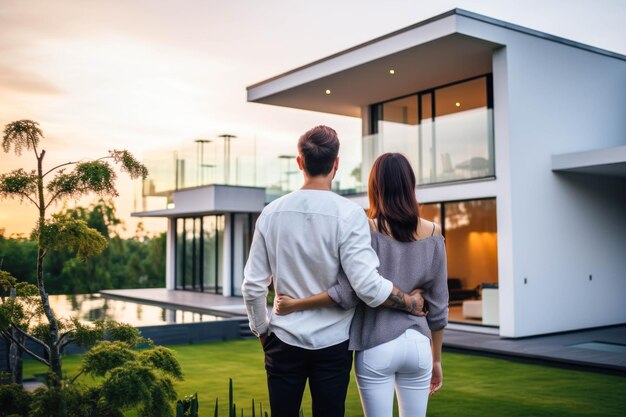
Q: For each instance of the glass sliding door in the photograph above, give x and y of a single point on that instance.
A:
(470, 229)
(191, 252)
(180, 253)
(471, 242)
(197, 254)
(220, 223)
(199, 248)
(431, 212)
(210, 255)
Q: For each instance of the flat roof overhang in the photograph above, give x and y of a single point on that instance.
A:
(608, 161)
(429, 54)
(362, 77)
(212, 199)
(426, 55)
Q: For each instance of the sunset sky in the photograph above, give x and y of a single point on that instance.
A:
(143, 75)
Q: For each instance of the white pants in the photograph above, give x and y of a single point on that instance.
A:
(405, 363)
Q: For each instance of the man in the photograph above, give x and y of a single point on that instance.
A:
(302, 241)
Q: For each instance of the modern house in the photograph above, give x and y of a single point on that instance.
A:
(518, 140)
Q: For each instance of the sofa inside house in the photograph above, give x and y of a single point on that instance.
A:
(458, 294)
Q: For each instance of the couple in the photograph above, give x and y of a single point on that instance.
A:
(322, 254)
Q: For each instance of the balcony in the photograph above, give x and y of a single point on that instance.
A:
(241, 161)
(446, 133)
(455, 147)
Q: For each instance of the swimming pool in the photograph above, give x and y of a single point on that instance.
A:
(90, 307)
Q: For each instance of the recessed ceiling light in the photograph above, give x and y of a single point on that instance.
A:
(327, 91)
(392, 71)
(457, 104)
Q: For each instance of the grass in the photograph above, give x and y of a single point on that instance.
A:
(473, 385)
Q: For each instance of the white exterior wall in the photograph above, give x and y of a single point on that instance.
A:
(560, 227)
(218, 198)
(506, 276)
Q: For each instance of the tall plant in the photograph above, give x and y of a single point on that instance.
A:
(43, 188)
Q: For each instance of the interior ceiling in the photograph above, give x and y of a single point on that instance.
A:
(464, 96)
(442, 61)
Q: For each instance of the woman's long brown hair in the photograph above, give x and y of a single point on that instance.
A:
(391, 192)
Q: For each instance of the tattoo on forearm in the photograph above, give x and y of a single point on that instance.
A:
(396, 298)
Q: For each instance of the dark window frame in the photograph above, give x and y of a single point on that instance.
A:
(180, 280)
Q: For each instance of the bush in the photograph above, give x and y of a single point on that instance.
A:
(14, 401)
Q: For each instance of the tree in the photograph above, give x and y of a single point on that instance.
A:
(16, 255)
(124, 378)
(57, 231)
(136, 262)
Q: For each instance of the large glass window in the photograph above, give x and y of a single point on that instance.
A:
(431, 212)
(210, 254)
(399, 127)
(219, 231)
(470, 229)
(191, 272)
(471, 241)
(462, 137)
(180, 253)
(446, 132)
(199, 247)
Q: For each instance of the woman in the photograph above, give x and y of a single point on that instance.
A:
(393, 348)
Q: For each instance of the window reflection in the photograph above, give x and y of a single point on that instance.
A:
(446, 133)
(461, 143)
(470, 230)
(220, 221)
(431, 212)
(398, 128)
(210, 253)
(180, 253)
(199, 247)
(471, 241)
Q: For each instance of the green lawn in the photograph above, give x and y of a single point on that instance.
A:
(473, 385)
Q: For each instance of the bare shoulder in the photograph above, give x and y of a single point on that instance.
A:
(427, 228)
(373, 224)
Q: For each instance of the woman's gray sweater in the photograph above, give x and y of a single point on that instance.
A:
(409, 265)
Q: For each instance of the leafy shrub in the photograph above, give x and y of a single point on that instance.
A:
(14, 401)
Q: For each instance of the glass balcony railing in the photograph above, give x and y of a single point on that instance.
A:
(226, 159)
(242, 161)
(455, 147)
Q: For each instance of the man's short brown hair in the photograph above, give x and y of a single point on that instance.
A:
(319, 148)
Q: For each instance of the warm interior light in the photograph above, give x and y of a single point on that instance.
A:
(392, 71)
(457, 104)
(327, 91)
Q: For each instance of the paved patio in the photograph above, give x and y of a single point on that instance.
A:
(602, 349)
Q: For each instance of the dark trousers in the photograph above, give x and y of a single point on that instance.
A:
(288, 368)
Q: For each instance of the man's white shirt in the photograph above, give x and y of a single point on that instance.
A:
(301, 243)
